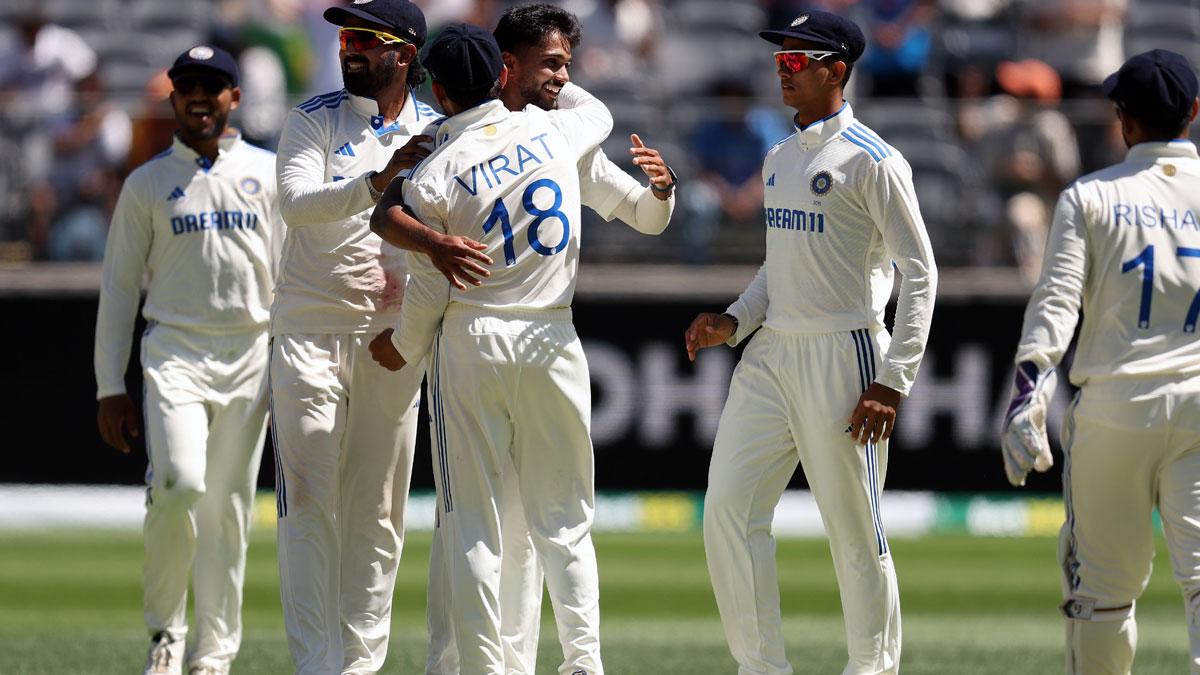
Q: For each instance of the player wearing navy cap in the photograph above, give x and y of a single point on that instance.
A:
(1124, 250)
(508, 379)
(344, 429)
(840, 210)
(536, 42)
(201, 223)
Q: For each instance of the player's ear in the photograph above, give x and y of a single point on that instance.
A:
(510, 59)
(1195, 110)
(837, 73)
(235, 98)
(504, 76)
(408, 54)
(439, 93)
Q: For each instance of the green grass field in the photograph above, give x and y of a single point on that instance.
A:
(70, 605)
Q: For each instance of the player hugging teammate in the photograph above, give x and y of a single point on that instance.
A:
(447, 249)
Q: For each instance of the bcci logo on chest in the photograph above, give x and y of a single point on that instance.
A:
(821, 183)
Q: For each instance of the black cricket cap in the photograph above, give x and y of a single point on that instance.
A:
(1156, 87)
(205, 57)
(825, 29)
(463, 57)
(403, 18)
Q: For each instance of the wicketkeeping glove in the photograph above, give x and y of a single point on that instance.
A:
(1023, 438)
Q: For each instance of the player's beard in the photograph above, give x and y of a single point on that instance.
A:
(372, 79)
(204, 132)
(535, 92)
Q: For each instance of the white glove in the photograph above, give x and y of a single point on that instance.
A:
(1023, 438)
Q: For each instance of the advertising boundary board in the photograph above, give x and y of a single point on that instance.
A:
(654, 413)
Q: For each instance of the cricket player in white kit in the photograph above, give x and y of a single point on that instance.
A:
(344, 429)
(200, 221)
(840, 211)
(536, 42)
(1124, 249)
(508, 380)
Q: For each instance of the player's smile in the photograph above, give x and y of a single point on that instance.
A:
(201, 112)
(355, 64)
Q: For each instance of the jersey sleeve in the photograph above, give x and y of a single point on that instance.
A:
(427, 292)
(125, 255)
(1053, 309)
(611, 192)
(750, 309)
(278, 230)
(305, 197)
(582, 118)
(892, 202)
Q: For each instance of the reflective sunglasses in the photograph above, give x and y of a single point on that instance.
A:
(796, 60)
(363, 39)
(210, 84)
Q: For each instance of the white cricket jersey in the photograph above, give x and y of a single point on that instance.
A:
(337, 276)
(1125, 248)
(511, 181)
(840, 211)
(205, 235)
(610, 192)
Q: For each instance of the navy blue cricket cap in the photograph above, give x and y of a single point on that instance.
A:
(1157, 86)
(204, 57)
(403, 18)
(825, 29)
(463, 57)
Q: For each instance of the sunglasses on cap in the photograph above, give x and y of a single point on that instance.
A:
(363, 39)
(210, 84)
(796, 60)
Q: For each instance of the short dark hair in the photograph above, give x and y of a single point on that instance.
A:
(528, 25)
(1159, 130)
(469, 98)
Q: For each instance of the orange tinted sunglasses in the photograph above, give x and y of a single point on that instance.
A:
(363, 39)
(796, 60)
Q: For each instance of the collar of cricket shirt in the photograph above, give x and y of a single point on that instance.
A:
(1176, 148)
(224, 144)
(405, 122)
(816, 134)
(480, 115)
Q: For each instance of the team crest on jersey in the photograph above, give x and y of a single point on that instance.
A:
(799, 20)
(250, 185)
(821, 183)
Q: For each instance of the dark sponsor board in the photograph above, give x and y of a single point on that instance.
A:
(654, 413)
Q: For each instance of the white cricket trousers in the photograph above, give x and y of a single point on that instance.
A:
(1128, 447)
(521, 582)
(509, 392)
(344, 429)
(205, 417)
(789, 403)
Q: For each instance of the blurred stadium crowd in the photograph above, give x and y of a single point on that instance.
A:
(995, 103)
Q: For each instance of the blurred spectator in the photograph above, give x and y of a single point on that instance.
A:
(619, 38)
(728, 147)
(153, 123)
(899, 46)
(438, 13)
(90, 144)
(1029, 150)
(782, 12)
(975, 35)
(44, 64)
(37, 83)
(1084, 41)
(1080, 39)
